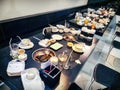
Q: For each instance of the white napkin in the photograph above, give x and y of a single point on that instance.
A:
(14, 67)
(34, 84)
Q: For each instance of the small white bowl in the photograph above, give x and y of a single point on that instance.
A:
(30, 75)
(22, 57)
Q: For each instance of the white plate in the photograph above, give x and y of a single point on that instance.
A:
(57, 37)
(14, 68)
(54, 29)
(44, 43)
(34, 84)
(26, 47)
(60, 26)
(77, 50)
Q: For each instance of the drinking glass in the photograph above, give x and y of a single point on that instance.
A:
(54, 60)
(13, 50)
(62, 59)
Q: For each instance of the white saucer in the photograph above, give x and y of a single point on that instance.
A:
(26, 47)
(57, 37)
(77, 50)
(43, 44)
(60, 26)
(34, 84)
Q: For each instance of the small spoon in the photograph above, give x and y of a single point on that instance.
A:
(76, 41)
(19, 38)
(36, 38)
(10, 44)
(50, 25)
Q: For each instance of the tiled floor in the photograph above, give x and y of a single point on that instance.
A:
(84, 81)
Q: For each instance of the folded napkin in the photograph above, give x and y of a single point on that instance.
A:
(32, 84)
(15, 67)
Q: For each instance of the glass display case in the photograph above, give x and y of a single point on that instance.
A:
(99, 55)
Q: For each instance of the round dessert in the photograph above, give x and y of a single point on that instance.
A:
(73, 31)
(52, 40)
(46, 41)
(72, 28)
(31, 74)
(22, 57)
(69, 37)
(57, 37)
(25, 42)
(54, 29)
(78, 47)
(69, 44)
(86, 21)
(93, 26)
(66, 29)
(61, 30)
(20, 51)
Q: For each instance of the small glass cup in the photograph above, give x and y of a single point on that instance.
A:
(14, 46)
(62, 59)
(54, 60)
(14, 50)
